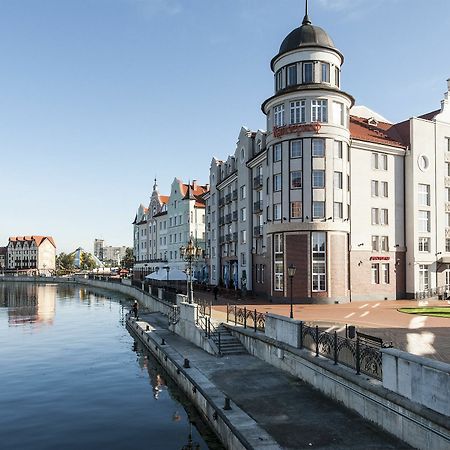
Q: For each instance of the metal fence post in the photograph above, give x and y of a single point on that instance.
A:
(235, 316)
(220, 345)
(254, 321)
(358, 355)
(245, 317)
(317, 340)
(228, 312)
(301, 334)
(335, 348)
(209, 327)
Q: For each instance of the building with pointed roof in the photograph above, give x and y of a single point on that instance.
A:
(166, 225)
(359, 205)
(34, 255)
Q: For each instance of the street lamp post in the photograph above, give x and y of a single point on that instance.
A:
(190, 253)
(291, 273)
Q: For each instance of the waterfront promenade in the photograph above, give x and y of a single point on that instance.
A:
(293, 414)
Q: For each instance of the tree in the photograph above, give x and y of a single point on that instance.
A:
(65, 262)
(128, 260)
(87, 261)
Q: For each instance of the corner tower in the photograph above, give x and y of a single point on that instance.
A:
(308, 210)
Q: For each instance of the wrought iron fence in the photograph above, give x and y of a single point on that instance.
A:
(250, 318)
(204, 307)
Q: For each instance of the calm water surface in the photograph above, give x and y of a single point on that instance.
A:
(71, 376)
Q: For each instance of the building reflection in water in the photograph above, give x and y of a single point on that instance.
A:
(29, 303)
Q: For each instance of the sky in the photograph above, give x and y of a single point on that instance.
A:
(97, 97)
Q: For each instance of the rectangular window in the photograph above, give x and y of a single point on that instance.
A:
(243, 236)
(337, 180)
(424, 282)
(318, 148)
(375, 243)
(298, 112)
(278, 115)
(277, 152)
(384, 189)
(292, 75)
(374, 188)
(318, 210)
(337, 210)
(325, 71)
(424, 221)
(318, 246)
(447, 245)
(337, 76)
(385, 273)
(319, 110)
(338, 113)
(243, 259)
(424, 194)
(296, 179)
(278, 80)
(384, 219)
(447, 169)
(447, 219)
(243, 192)
(277, 182)
(384, 243)
(278, 262)
(375, 216)
(277, 211)
(383, 162)
(296, 149)
(375, 273)
(338, 149)
(374, 160)
(296, 210)
(447, 144)
(318, 179)
(308, 72)
(243, 214)
(447, 194)
(424, 244)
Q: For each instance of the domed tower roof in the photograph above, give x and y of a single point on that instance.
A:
(307, 35)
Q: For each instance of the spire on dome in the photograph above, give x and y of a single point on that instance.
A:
(306, 20)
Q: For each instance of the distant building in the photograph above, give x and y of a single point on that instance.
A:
(3, 257)
(166, 225)
(98, 248)
(113, 255)
(31, 254)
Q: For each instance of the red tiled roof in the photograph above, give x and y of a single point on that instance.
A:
(164, 198)
(382, 133)
(37, 239)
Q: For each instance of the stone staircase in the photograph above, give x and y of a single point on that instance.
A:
(229, 345)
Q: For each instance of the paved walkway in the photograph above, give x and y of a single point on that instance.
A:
(293, 413)
(420, 335)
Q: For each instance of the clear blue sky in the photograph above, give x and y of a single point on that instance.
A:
(99, 96)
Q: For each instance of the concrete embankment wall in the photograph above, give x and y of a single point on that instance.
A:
(234, 427)
(411, 422)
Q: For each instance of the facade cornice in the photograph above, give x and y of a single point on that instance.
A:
(226, 181)
(261, 156)
(373, 146)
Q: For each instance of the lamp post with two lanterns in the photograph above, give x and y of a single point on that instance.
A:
(190, 253)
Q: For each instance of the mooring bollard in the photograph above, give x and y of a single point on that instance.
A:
(147, 328)
(227, 405)
(163, 342)
(186, 364)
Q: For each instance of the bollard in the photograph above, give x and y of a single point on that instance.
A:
(186, 364)
(317, 340)
(227, 405)
(245, 317)
(163, 342)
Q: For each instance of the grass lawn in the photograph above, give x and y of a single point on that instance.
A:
(432, 311)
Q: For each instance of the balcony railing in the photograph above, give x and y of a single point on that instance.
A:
(235, 194)
(228, 198)
(221, 220)
(221, 201)
(258, 182)
(235, 237)
(258, 231)
(235, 216)
(257, 207)
(228, 218)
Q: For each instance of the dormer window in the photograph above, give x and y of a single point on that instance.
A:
(372, 121)
(325, 71)
(292, 75)
(308, 72)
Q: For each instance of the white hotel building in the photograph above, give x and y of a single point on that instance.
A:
(166, 225)
(359, 205)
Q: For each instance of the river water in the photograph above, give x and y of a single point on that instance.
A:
(71, 377)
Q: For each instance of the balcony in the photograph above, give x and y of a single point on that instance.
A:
(257, 207)
(229, 237)
(258, 231)
(234, 195)
(235, 216)
(228, 198)
(235, 237)
(258, 182)
(228, 218)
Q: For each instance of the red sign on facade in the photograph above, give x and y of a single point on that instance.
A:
(380, 258)
(297, 128)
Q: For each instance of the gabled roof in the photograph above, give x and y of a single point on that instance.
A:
(164, 198)
(38, 240)
(378, 132)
